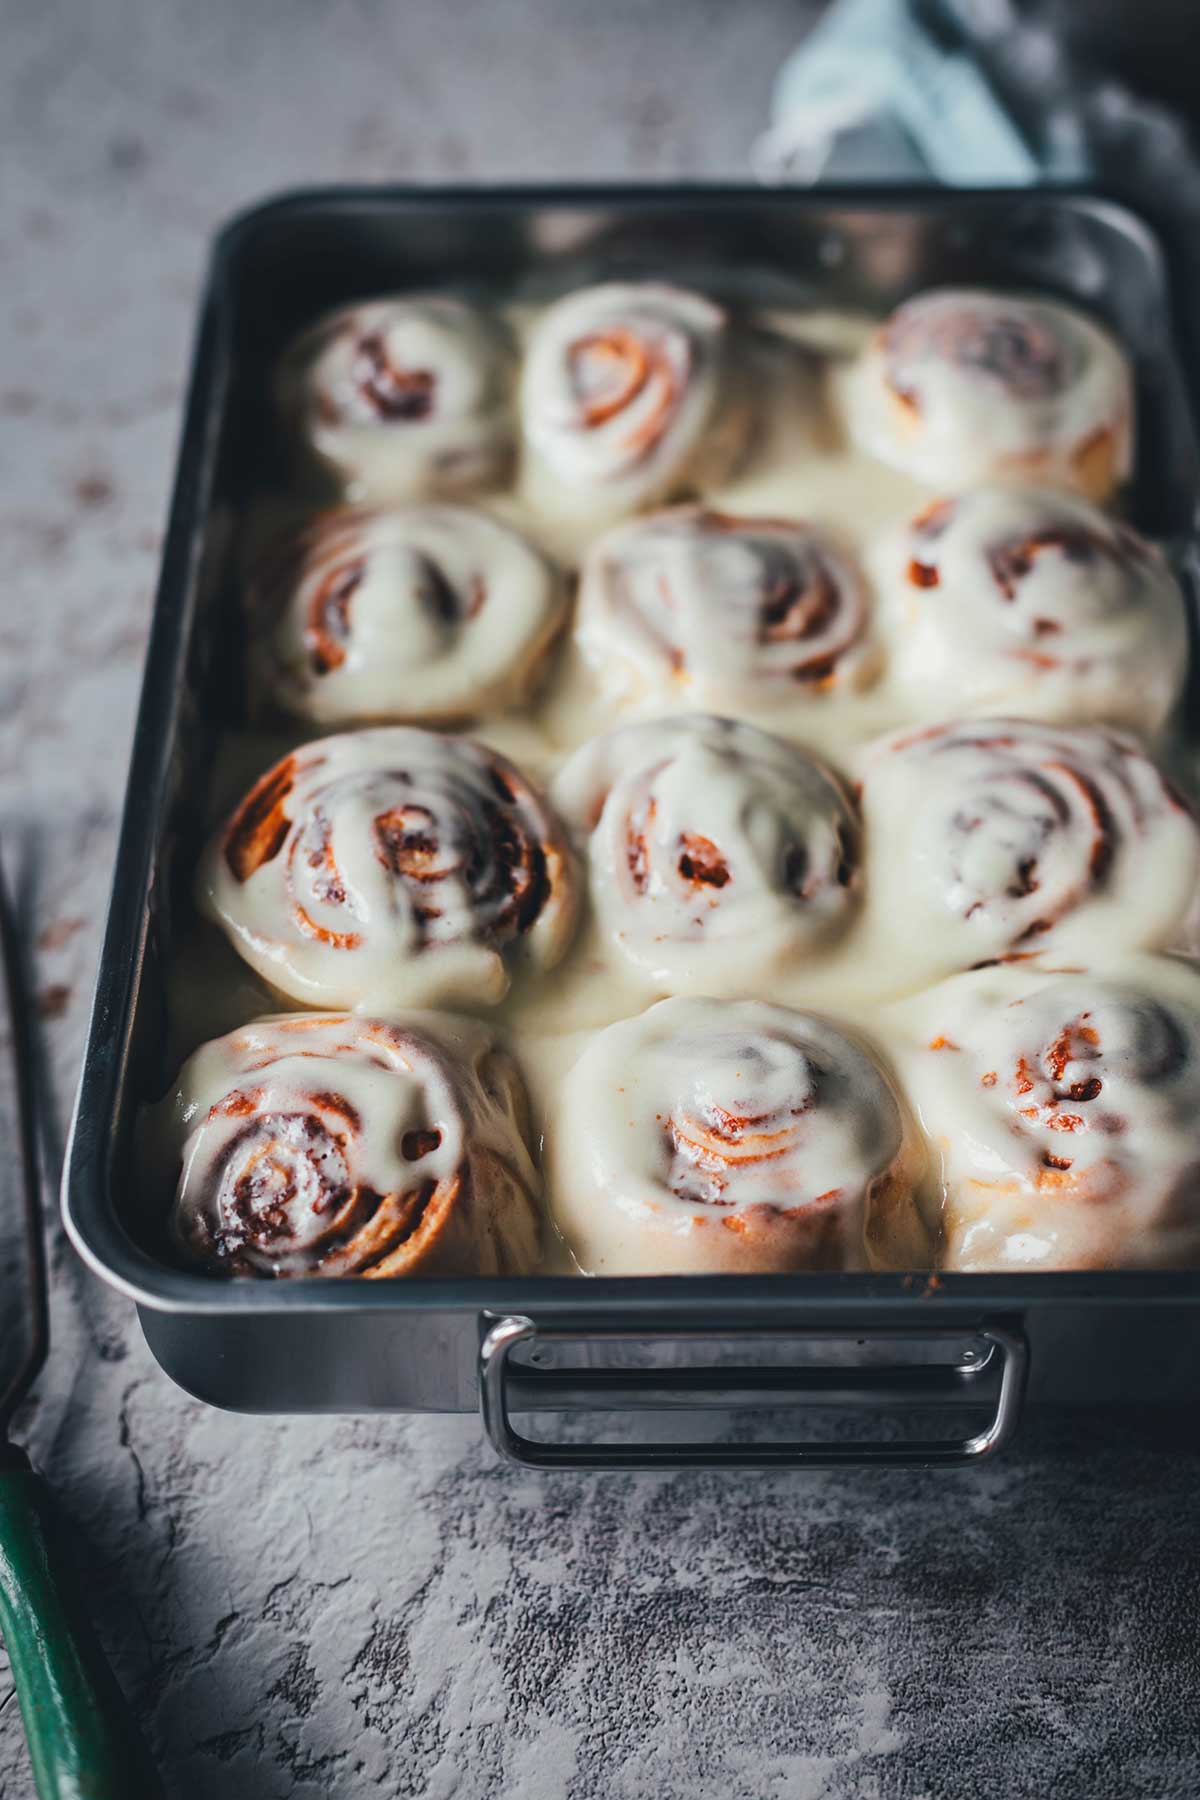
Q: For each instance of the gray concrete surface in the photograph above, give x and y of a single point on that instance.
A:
(348, 1607)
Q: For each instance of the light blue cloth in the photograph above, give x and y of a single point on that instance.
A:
(891, 90)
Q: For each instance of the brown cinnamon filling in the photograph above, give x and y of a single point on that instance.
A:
(1010, 564)
(407, 844)
(708, 1151)
(611, 369)
(274, 1153)
(701, 862)
(1025, 354)
(608, 370)
(500, 862)
(1062, 807)
(416, 1144)
(313, 845)
(403, 395)
(327, 629)
(259, 827)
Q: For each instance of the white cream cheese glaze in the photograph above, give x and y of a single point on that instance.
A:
(716, 853)
(406, 398)
(330, 1144)
(961, 385)
(629, 396)
(424, 613)
(1033, 603)
(1000, 838)
(710, 1136)
(723, 611)
(391, 867)
(778, 454)
(1063, 1108)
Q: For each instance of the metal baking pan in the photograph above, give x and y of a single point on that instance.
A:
(895, 1342)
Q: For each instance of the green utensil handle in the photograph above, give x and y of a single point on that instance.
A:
(83, 1742)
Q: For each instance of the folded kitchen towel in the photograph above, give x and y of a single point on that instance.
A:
(913, 90)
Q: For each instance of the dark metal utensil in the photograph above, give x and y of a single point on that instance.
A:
(83, 1742)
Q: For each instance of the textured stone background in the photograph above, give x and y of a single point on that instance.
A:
(338, 1608)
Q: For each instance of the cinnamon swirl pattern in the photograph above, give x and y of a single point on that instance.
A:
(1000, 839)
(724, 612)
(630, 396)
(716, 852)
(1064, 1110)
(391, 867)
(420, 613)
(1033, 603)
(710, 1136)
(960, 385)
(327, 1144)
(404, 399)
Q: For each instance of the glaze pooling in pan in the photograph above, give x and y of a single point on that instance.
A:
(329, 1144)
(722, 611)
(630, 395)
(1030, 602)
(407, 398)
(709, 1136)
(1001, 838)
(962, 385)
(421, 613)
(716, 852)
(808, 594)
(1063, 1108)
(391, 867)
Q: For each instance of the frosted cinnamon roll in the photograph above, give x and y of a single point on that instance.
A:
(406, 398)
(391, 867)
(327, 1144)
(998, 838)
(424, 613)
(1009, 600)
(724, 612)
(716, 853)
(731, 1137)
(961, 385)
(1064, 1110)
(630, 395)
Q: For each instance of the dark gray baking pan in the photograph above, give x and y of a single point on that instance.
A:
(895, 1343)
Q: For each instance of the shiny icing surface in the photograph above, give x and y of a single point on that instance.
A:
(427, 613)
(1002, 838)
(1063, 1108)
(716, 609)
(830, 604)
(404, 398)
(960, 385)
(330, 1144)
(716, 853)
(629, 394)
(709, 1136)
(1031, 602)
(391, 867)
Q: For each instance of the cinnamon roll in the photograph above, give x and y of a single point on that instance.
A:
(725, 612)
(1064, 1109)
(405, 398)
(328, 1144)
(391, 867)
(732, 1137)
(717, 853)
(424, 613)
(630, 395)
(1032, 603)
(1000, 839)
(961, 385)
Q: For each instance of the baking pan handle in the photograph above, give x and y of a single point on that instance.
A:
(915, 1385)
